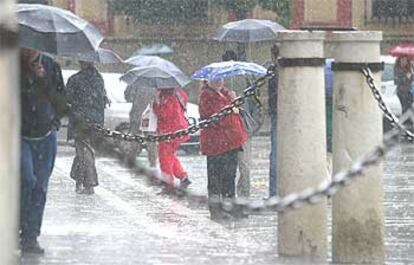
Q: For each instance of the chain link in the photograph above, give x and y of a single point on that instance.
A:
(224, 112)
(366, 71)
(309, 196)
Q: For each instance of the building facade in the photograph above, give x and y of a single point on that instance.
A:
(394, 17)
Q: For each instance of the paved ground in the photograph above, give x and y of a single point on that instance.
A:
(125, 222)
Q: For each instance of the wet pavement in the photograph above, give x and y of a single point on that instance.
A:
(127, 222)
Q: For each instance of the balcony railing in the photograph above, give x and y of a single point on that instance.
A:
(390, 11)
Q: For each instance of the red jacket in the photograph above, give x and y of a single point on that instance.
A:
(170, 113)
(227, 134)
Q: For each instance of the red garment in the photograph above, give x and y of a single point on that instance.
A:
(169, 163)
(169, 112)
(227, 134)
(171, 118)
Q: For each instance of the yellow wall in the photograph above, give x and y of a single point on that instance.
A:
(320, 11)
(60, 3)
(95, 10)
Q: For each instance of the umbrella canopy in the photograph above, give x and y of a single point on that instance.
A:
(405, 49)
(103, 56)
(153, 49)
(248, 30)
(144, 60)
(155, 77)
(56, 31)
(223, 70)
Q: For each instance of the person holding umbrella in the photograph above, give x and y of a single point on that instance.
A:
(170, 109)
(221, 143)
(43, 103)
(403, 77)
(88, 98)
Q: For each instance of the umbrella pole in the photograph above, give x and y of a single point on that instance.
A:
(9, 134)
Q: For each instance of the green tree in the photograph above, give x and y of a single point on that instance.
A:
(283, 8)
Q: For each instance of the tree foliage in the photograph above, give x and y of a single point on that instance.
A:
(190, 11)
(283, 8)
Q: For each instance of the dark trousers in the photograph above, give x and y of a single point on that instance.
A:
(37, 161)
(221, 172)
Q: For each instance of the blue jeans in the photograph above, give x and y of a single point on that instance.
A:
(37, 161)
(273, 157)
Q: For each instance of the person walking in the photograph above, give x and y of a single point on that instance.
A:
(221, 143)
(88, 99)
(43, 103)
(238, 84)
(140, 99)
(272, 104)
(170, 109)
(403, 77)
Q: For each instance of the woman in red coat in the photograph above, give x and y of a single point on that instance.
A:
(170, 111)
(220, 142)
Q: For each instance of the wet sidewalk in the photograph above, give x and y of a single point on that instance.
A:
(126, 222)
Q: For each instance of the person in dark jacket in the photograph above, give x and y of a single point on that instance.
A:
(43, 103)
(170, 110)
(272, 103)
(403, 77)
(221, 143)
(88, 99)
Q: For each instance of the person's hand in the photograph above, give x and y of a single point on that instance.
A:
(409, 75)
(107, 102)
(236, 110)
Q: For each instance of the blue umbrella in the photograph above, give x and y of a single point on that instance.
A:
(223, 70)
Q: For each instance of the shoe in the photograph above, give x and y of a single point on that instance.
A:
(220, 216)
(238, 213)
(184, 183)
(166, 190)
(88, 191)
(32, 247)
(78, 188)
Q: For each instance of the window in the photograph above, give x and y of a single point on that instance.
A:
(401, 11)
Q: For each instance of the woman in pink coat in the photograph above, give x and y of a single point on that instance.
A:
(170, 111)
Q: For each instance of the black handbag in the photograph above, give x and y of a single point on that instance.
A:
(252, 118)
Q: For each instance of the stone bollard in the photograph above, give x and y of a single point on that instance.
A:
(358, 219)
(301, 143)
(9, 135)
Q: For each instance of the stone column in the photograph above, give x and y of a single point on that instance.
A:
(358, 219)
(9, 134)
(301, 146)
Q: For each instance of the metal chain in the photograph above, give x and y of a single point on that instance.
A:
(309, 196)
(224, 112)
(366, 71)
(292, 201)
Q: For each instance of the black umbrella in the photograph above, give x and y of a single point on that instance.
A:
(153, 49)
(248, 30)
(56, 31)
(103, 56)
(155, 77)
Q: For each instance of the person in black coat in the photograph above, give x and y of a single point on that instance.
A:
(88, 99)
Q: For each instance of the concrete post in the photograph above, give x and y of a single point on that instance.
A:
(358, 219)
(301, 146)
(9, 135)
